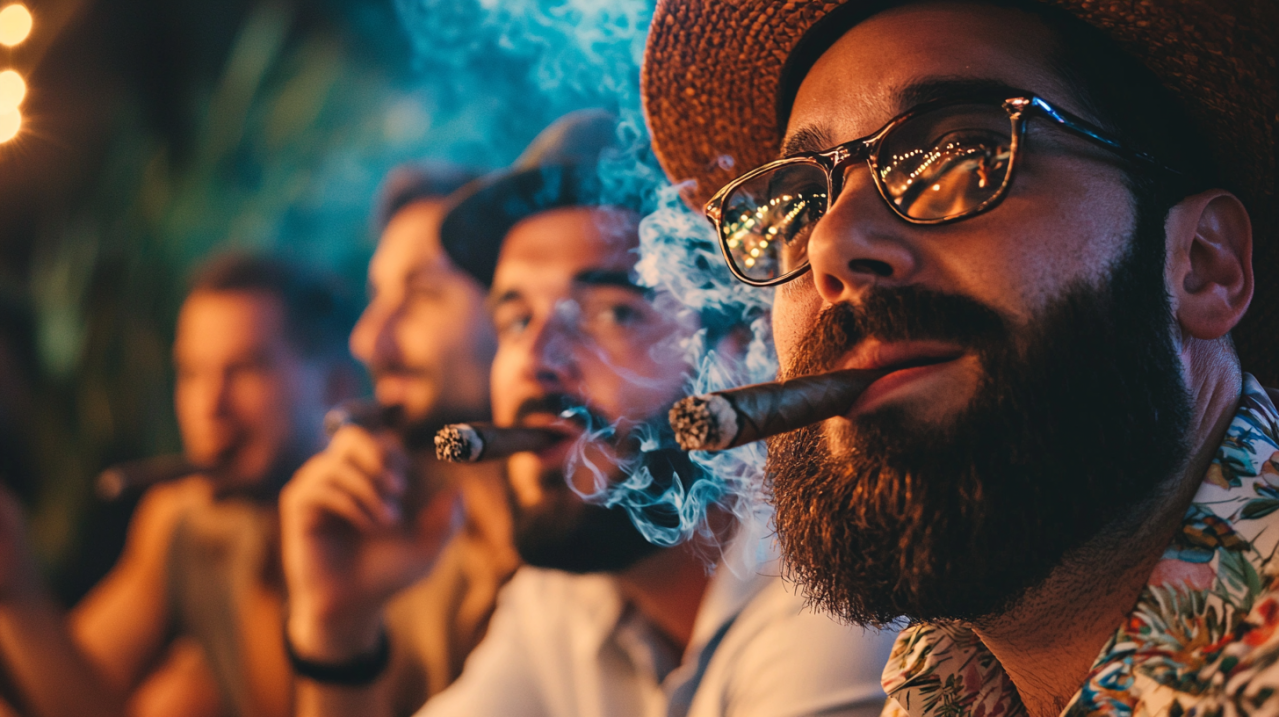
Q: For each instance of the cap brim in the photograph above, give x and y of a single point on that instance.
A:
(484, 211)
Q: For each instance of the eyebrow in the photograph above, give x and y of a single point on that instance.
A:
(603, 277)
(814, 138)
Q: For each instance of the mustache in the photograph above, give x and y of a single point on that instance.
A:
(578, 410)
(892, 314)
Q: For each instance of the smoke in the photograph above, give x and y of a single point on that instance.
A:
(501, 70)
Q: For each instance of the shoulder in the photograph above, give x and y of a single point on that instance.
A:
(781, 657)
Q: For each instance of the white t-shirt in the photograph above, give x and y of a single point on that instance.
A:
(564, 645)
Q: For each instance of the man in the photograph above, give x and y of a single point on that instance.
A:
(182, 622)
(259, 358)
(1045, 238)
(428, 343)
(601, 622)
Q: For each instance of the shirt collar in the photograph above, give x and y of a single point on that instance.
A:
(1209, 602)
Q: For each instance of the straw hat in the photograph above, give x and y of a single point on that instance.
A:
(713, 70)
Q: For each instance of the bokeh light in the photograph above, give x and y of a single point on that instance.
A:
(12, 90)
(10, 123)
(15, 24)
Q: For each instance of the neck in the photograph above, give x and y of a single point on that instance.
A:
(1047, 642)
(667, 588)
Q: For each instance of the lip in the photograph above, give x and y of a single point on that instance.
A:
(906, 363)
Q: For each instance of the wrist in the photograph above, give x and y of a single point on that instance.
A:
(333, 636)
(357, 671)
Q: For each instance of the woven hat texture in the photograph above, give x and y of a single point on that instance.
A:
(713, 69)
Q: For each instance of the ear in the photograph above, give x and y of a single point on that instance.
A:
(1210, 281)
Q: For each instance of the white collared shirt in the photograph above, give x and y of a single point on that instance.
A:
(563, 645)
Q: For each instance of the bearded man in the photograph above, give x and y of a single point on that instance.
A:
(1038, 220)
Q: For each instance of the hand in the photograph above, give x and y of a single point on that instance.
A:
(351, 538)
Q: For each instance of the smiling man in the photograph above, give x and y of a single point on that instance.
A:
(1039, 219)
(600, 622)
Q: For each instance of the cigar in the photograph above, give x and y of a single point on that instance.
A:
(360, 412)
(475, 442)
(727, 419)
(144, 473)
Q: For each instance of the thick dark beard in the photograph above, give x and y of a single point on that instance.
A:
(564, 532)
(1076, 421)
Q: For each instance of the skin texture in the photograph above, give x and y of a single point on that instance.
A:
(1065, 220)
(365, 518)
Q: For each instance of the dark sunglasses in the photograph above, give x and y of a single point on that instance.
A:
(937, 163)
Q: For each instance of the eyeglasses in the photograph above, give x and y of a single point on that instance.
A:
(937, 163)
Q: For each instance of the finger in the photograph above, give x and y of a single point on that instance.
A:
(342, 506)
(383, 509)
(358, 447)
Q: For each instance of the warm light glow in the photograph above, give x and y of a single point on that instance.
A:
(15, 24)
(12, 90)
(10, 123)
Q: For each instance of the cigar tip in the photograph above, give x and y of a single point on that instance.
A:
(458, 443)
(704, 423)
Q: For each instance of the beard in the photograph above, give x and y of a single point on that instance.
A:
(565, 532)
(1076, 421)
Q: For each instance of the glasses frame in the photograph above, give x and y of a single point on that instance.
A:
(833, 161)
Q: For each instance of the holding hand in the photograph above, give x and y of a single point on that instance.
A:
(354, 533)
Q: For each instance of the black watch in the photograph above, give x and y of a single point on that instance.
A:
(358, 671)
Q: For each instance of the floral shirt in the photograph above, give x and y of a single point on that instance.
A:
(1203, 639)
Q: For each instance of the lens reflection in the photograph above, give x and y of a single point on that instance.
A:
(766, 220)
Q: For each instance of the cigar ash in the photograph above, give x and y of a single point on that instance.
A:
(458, 443)
(704, 423)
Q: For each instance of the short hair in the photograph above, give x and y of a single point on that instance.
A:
(317, 319)
(414, 182)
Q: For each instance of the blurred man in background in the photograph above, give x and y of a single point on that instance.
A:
(602, 622)
(187, 621)
(428, 343)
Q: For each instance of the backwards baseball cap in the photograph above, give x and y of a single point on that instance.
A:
(560, 168)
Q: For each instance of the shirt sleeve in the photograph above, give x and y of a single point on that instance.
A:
(782, 659)
(496, 680)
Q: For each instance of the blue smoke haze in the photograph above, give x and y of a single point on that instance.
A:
(501, 70)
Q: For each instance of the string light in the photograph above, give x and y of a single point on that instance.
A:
(15, 24)
(12, 90)
(10, 123)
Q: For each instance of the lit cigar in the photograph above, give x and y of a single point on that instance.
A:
(727, 419)
(474, 442)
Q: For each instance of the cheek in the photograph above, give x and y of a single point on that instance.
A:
(794, 306)
(504, 380)
(524, 472)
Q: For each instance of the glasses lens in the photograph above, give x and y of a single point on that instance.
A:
(767, 219)
(947, 162)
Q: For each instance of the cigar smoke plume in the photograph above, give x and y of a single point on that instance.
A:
(561, 55)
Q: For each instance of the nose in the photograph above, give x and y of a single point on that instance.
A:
(373, 338)
(553, 354)
(859, 243)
